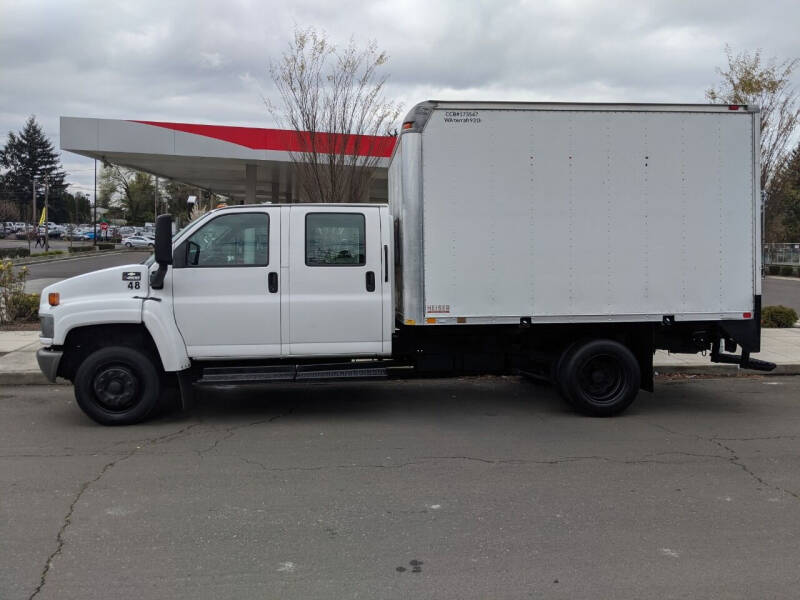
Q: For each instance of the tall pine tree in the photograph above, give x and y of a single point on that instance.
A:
(28, 155)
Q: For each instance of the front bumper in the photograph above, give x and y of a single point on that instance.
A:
(48, 362)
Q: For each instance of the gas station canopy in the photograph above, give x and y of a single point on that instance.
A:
(247, 164)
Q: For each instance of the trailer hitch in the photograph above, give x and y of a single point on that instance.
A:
(744, 361)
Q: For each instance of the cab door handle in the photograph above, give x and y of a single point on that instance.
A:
(370, 281)
(272, 282)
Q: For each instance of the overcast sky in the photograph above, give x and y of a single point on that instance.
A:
(206, 62)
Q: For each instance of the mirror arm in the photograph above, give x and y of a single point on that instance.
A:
(157, 277)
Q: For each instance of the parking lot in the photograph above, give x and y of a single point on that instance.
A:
(453, 488)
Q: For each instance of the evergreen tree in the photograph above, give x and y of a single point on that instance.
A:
(785, 200)
(28, 155)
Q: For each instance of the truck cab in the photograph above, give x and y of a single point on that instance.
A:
(247, 284)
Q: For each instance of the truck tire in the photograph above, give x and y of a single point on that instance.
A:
(600, 378)
(117, 385)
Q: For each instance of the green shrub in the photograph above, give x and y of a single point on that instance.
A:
(774, 269)
(27, 307)
(14, 304)
(14, 252)
(105, 246)
(787, 270)
(778, 316)
(49, 253)
(81, 249)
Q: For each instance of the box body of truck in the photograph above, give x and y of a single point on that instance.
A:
(573, 213)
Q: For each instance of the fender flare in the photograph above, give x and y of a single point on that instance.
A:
(166, 337)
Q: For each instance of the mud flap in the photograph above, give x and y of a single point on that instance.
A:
(186, 379)
(745, 333)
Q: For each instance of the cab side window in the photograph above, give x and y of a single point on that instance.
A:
(232, 240)
(335, 239)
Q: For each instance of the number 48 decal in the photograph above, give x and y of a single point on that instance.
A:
(134, 285)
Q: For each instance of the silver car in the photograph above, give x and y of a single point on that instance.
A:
(138, 241)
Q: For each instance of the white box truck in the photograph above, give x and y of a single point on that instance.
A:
(565, 241)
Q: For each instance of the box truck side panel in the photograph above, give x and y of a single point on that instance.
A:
(561, 214)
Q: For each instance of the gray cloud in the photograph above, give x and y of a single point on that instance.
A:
(207, 61)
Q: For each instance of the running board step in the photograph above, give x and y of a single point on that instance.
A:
(221, 375)
(365, 370)
(280, 373)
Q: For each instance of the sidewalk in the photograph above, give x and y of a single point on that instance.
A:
(782, 346)
(18, 358)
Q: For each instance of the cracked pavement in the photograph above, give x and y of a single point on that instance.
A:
(451, 488)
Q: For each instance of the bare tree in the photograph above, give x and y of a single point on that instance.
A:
(333, 99)
(127, 191)
(750, 80)
(8, 211)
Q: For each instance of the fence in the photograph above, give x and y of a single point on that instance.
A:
(781, 254)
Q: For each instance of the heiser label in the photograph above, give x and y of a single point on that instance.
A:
(441, 309)
(131, 276)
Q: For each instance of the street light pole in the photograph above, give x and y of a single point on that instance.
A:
(46, 216)
(94, 219)
(33, 213)
(764, 195)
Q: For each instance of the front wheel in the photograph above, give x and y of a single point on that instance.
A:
(128, 244)
(117, 385)
(600, 378)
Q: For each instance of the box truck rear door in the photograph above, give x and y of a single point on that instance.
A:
(335, 295)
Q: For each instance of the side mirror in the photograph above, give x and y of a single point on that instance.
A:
(163, 250)
(164, 240)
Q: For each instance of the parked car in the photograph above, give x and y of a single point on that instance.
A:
(138, 241)
(52, 232)
(78, 235)
(25, 233)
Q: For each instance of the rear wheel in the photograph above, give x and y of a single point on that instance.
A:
(600, 378)
(117, 385)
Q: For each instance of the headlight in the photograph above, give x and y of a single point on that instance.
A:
(48, 325)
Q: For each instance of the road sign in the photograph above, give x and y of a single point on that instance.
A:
(103, 226)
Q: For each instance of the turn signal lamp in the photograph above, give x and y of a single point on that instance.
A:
(53, 298)
(408, 124)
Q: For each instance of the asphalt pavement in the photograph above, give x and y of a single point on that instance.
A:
(40, 275)
(455, 488)
(785, 291)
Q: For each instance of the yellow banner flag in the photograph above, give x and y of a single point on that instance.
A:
(43, 218)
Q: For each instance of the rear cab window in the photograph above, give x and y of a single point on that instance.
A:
(335, 239)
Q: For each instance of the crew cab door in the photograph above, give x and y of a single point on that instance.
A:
(336, 283)
(226, 286)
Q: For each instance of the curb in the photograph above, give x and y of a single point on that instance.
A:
(28, 378)
(722, 370)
